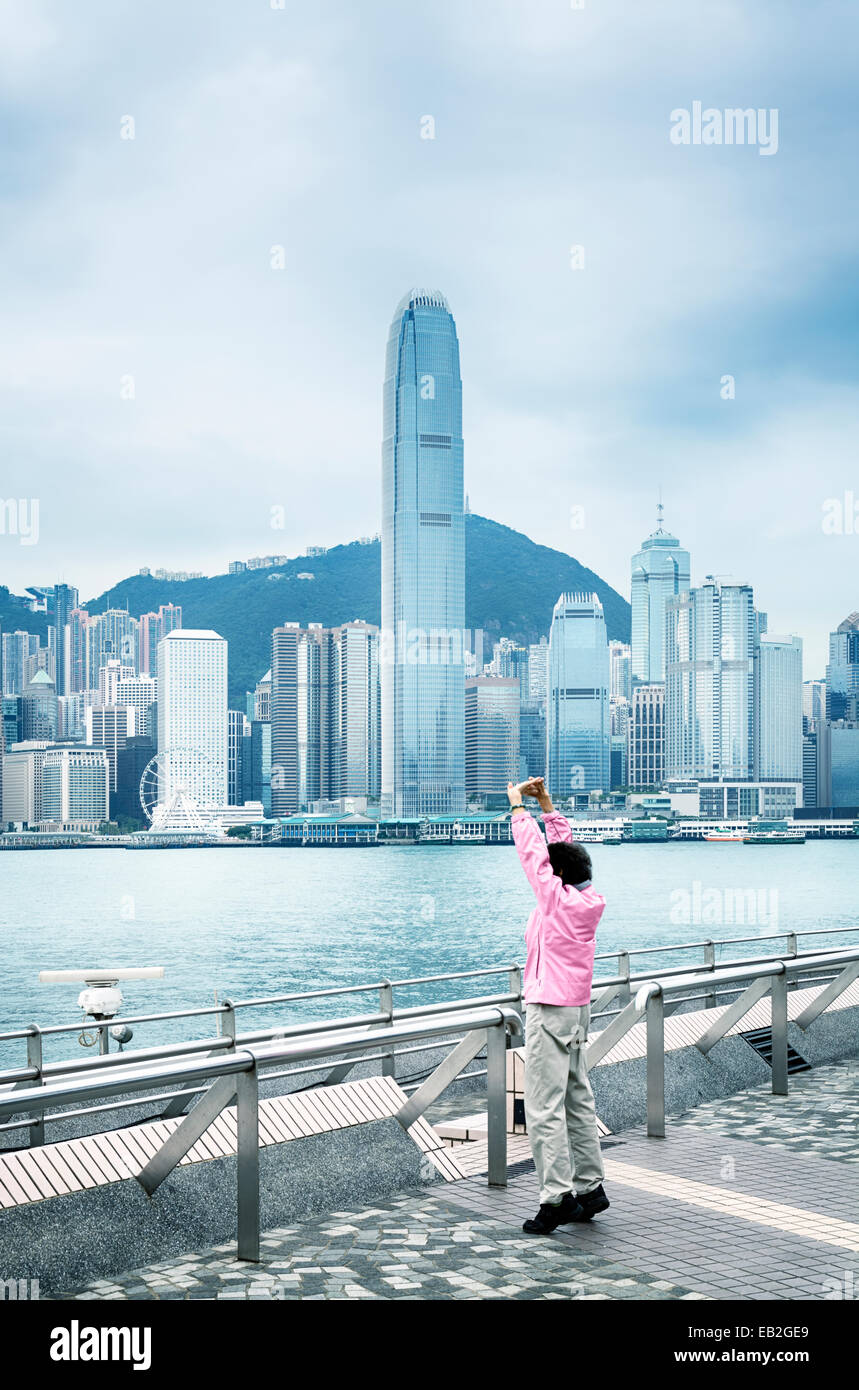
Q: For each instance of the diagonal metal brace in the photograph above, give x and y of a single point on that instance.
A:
(827, 995)
(446, 1072)
(185, 1136)
(733, 1013)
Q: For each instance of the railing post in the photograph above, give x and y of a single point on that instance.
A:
(227, 1023)
(778, 1001)
(623, 993)
(496, 1107)
(514, 984)
(386, 1006)
(247, 1163)
(791, 943)
(34, 1059)
(655, 1022)
(710, 964)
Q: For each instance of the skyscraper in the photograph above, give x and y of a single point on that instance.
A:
(647, 738)
(423, 564)
(192, 715)
(709, 702)
(778, 708)
(577, 719)
(111, 634)
(620, 656)
(491, 733)
(842, 673)
(660, 570)
(62, 600)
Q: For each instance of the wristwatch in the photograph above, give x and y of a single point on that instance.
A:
(519, 806)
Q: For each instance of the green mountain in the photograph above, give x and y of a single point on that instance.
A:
(511, 587)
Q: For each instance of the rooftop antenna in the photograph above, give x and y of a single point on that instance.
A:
(659, 514)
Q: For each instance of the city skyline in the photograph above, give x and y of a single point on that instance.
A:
(231, 413)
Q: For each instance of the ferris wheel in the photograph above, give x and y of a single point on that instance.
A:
(169, 782)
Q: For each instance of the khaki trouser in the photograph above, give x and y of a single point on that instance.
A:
(559, 1102)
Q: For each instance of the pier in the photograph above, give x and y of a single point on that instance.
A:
(383, 1154)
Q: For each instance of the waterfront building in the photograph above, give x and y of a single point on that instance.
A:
(423, 564)
(810, 742)
(660, 571)
(838, 764)
(325, 714)
(110, 727)
(647, 738)
(620, 662)
(256, 765)
(733, 800)
(842, 672)
(75, 792)
(238, 727)
(131, 761)
(778, 708)
(492, 706)
(22, 782)
(577, 723)
(192, 715)
(354, 701)
(711, 634)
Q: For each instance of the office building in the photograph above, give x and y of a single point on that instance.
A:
(577, 721)
(660, 571)
(647, 738)
(192, 715)
(620, 662)
(492, 706)
(423, 564)
(778, 708)
(74, 788)
(842, 672)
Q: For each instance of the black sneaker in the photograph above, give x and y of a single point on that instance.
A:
(571, 1208)
(590, 1203)
(547, 1220)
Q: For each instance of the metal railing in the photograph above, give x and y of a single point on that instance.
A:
(759, 978)
(236, 1077)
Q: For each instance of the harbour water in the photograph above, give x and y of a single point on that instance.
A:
(253, 922)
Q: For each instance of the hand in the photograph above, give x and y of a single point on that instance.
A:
(514, 794)
(536, 786)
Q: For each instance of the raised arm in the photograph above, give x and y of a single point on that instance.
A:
(533, 853)
(557, 826)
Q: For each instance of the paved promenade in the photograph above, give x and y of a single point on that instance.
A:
(755, 1197)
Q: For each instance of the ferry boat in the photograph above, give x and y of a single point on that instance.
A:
(775, 837)
(721, 836)
(593, 835)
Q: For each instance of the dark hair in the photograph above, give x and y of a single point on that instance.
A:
(570, 861)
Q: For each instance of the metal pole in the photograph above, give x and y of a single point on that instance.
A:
(778, 998)
(655, 1017)
(496, 1107)
(386, 1006)
(514, 984)
(710, 963)
(34, 1059)
(247, 1163)
(623, 971)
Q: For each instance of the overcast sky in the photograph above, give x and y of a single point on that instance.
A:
(144, 267)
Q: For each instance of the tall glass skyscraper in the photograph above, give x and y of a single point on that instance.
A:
(709, 702)
(778, 708)
(422, 660)
(577, 718)
(842, 673)
(659, 571)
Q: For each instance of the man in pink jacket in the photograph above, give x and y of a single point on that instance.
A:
(560, 939)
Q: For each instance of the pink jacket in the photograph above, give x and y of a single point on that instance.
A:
(561, 931)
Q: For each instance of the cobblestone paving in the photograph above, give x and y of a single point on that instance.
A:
(752, 1197)
(414, 1247)
(820, 1115)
